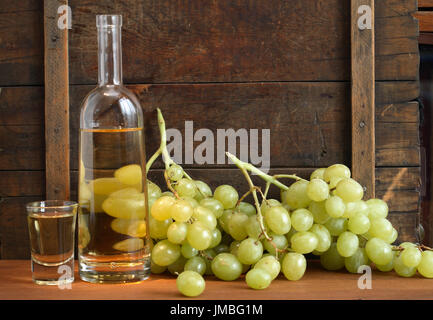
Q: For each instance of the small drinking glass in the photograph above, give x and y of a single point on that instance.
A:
(52, 232)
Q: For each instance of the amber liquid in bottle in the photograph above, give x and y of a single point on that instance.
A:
(113, 239)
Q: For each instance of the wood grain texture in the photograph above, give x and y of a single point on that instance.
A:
(22, 43)
(230, 105)
(56, 103)
(228, 41)
(363, 96)
(425, 19)
(317, 284)
(425, 3)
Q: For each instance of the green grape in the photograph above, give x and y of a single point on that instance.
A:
(270, 264)
(381, 228)
(213, 205)
(318, 174)
(165, 253)
(161, 208)
(225, 219)
(258, 279)
(150, 202)
(336, 226)
(236, 226)
(278, 240)
(180, 210)
(319, 212)
(302, 219)
(199, 236)
(359, 224)
(226, 266)
(336, 170)
(252, 227)
(176, 232)
(359, 258)
(131, 207)
(392, 237)
(267, 204)
(192, 202)
(389, 266)
(318, 190)
(190, 283)
(167, 194)
(349, 190)
(347, 244)
(158, 229)
(177, 266)
(304, 242)
(234, 247)
(296, 196)
(323, 236)
(331, 259)
(401, 269)
(155, 269)
(411, 257)
(287, 207)
(197, 264)
(333, 183)
(247, 208)
(425, 267)
(186, 188)
(294, 266)
(204, 191)
(153, 190)
(335, 206)
(378, 251)
(216, 238)
(129, 174)
(278, 220)
(290, 234)
(377, 208)
(356, 208)
(188, 251)
(250, 251)
(406, 245)
(222, 247)
(174, 172)
(227, 195)
(205, 216)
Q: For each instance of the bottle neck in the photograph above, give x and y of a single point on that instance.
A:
(109, 56)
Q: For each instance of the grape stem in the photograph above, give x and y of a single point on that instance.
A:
(249, 167)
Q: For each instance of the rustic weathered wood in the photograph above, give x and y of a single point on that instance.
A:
(363, 94)
(317, 284)
(56, 103)
(22, 183)
(294, 103)
(425, 19)
(22, 43)
(207, 41)
(425, 3)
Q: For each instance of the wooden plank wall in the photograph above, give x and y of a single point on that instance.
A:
(282, 65)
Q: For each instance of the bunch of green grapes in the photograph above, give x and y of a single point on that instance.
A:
(349, 231)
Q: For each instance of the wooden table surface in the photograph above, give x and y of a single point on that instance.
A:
(317, 284)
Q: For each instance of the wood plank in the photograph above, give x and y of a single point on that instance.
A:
(16, 283)
(363, 97)
(13, 227)
(22, 43)
(425, 19)
(22, 106)
(22, 183)
(56, 103)
(425, 3)
(425, 38)
(225, 41)
(22, 148)
(294, 103)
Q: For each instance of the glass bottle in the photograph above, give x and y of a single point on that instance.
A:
(113, 238)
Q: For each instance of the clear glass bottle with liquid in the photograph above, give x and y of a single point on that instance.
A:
(113, 237)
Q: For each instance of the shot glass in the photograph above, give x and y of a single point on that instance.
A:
(52, 232)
